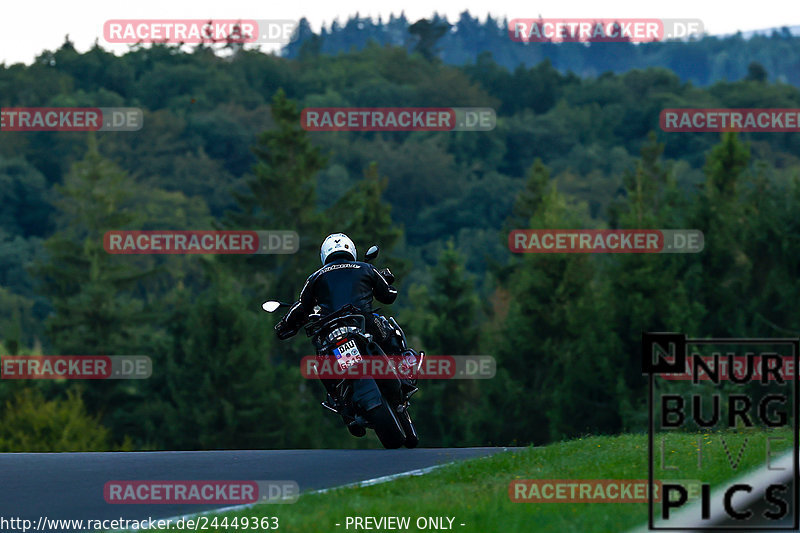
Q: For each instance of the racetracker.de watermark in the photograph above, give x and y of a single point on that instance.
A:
(200, 492)
(589, 490)
(398, 119)
(605, 241)
(194, 31)
(602, 30)
(75, 367)
(201, 242)
(71, 119)
(718, 120)
(346, 366)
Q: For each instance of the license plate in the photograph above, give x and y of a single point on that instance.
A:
(347, 354)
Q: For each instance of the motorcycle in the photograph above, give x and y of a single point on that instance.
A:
(382, 405)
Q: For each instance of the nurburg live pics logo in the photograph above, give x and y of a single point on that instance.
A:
(761, 398)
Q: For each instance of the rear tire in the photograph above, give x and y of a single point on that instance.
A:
(387, 426)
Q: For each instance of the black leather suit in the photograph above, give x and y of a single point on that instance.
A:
(338, 283)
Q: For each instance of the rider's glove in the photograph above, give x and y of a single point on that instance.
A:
(387, 274)
(283, 330)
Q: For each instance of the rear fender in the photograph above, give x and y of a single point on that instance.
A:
(366, 394)
(390, 388)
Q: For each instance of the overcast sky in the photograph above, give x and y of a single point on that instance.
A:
(31, 26)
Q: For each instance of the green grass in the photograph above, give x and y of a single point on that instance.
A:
(475, 492)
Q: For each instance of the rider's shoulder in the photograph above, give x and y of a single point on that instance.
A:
(339, 265)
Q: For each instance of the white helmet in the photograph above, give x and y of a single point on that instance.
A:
(336, 242)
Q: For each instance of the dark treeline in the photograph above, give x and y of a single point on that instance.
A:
(222, 147)
(703, 60)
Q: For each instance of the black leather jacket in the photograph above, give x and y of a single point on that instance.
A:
(338, 283)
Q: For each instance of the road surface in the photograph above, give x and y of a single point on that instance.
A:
(70, 485)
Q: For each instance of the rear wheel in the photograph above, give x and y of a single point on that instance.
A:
(387, 426)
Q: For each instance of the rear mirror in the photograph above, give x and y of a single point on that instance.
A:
(372, 253)
(270, 306)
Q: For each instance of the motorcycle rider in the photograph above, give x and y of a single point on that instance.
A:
(344, 280)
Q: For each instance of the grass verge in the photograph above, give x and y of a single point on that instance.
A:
(475, 492)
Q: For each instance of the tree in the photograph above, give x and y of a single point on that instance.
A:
(774, 251)
(281, 196)
(427, 33)
(552, 341)
(30, 423)
(531, 197)
(220, 387)
(22, 195)
(106, 304)
(526, 204)
(756, 72)
(445, 315)
(723, 269)
(646, 292)
(365, 217)
(444, 321)
(94, 312)
(22, 310)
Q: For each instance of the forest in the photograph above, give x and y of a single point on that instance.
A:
(222, 147)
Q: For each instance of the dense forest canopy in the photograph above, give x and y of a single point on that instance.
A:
(577, 145)
(702, 59)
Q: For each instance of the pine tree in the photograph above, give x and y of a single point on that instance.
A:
(646, 292)
(281, 196)
(547, 316)
(92, 291)
(773, 247)
(724, 267)
(526, 204)
(221, 389)
(444, 322)
(445, 313)
(428, 32)
(108, 304)
(530, 198)
(367, 219)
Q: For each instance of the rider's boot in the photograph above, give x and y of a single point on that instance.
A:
(356, 429)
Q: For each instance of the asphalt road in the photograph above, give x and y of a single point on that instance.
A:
(70, 485)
